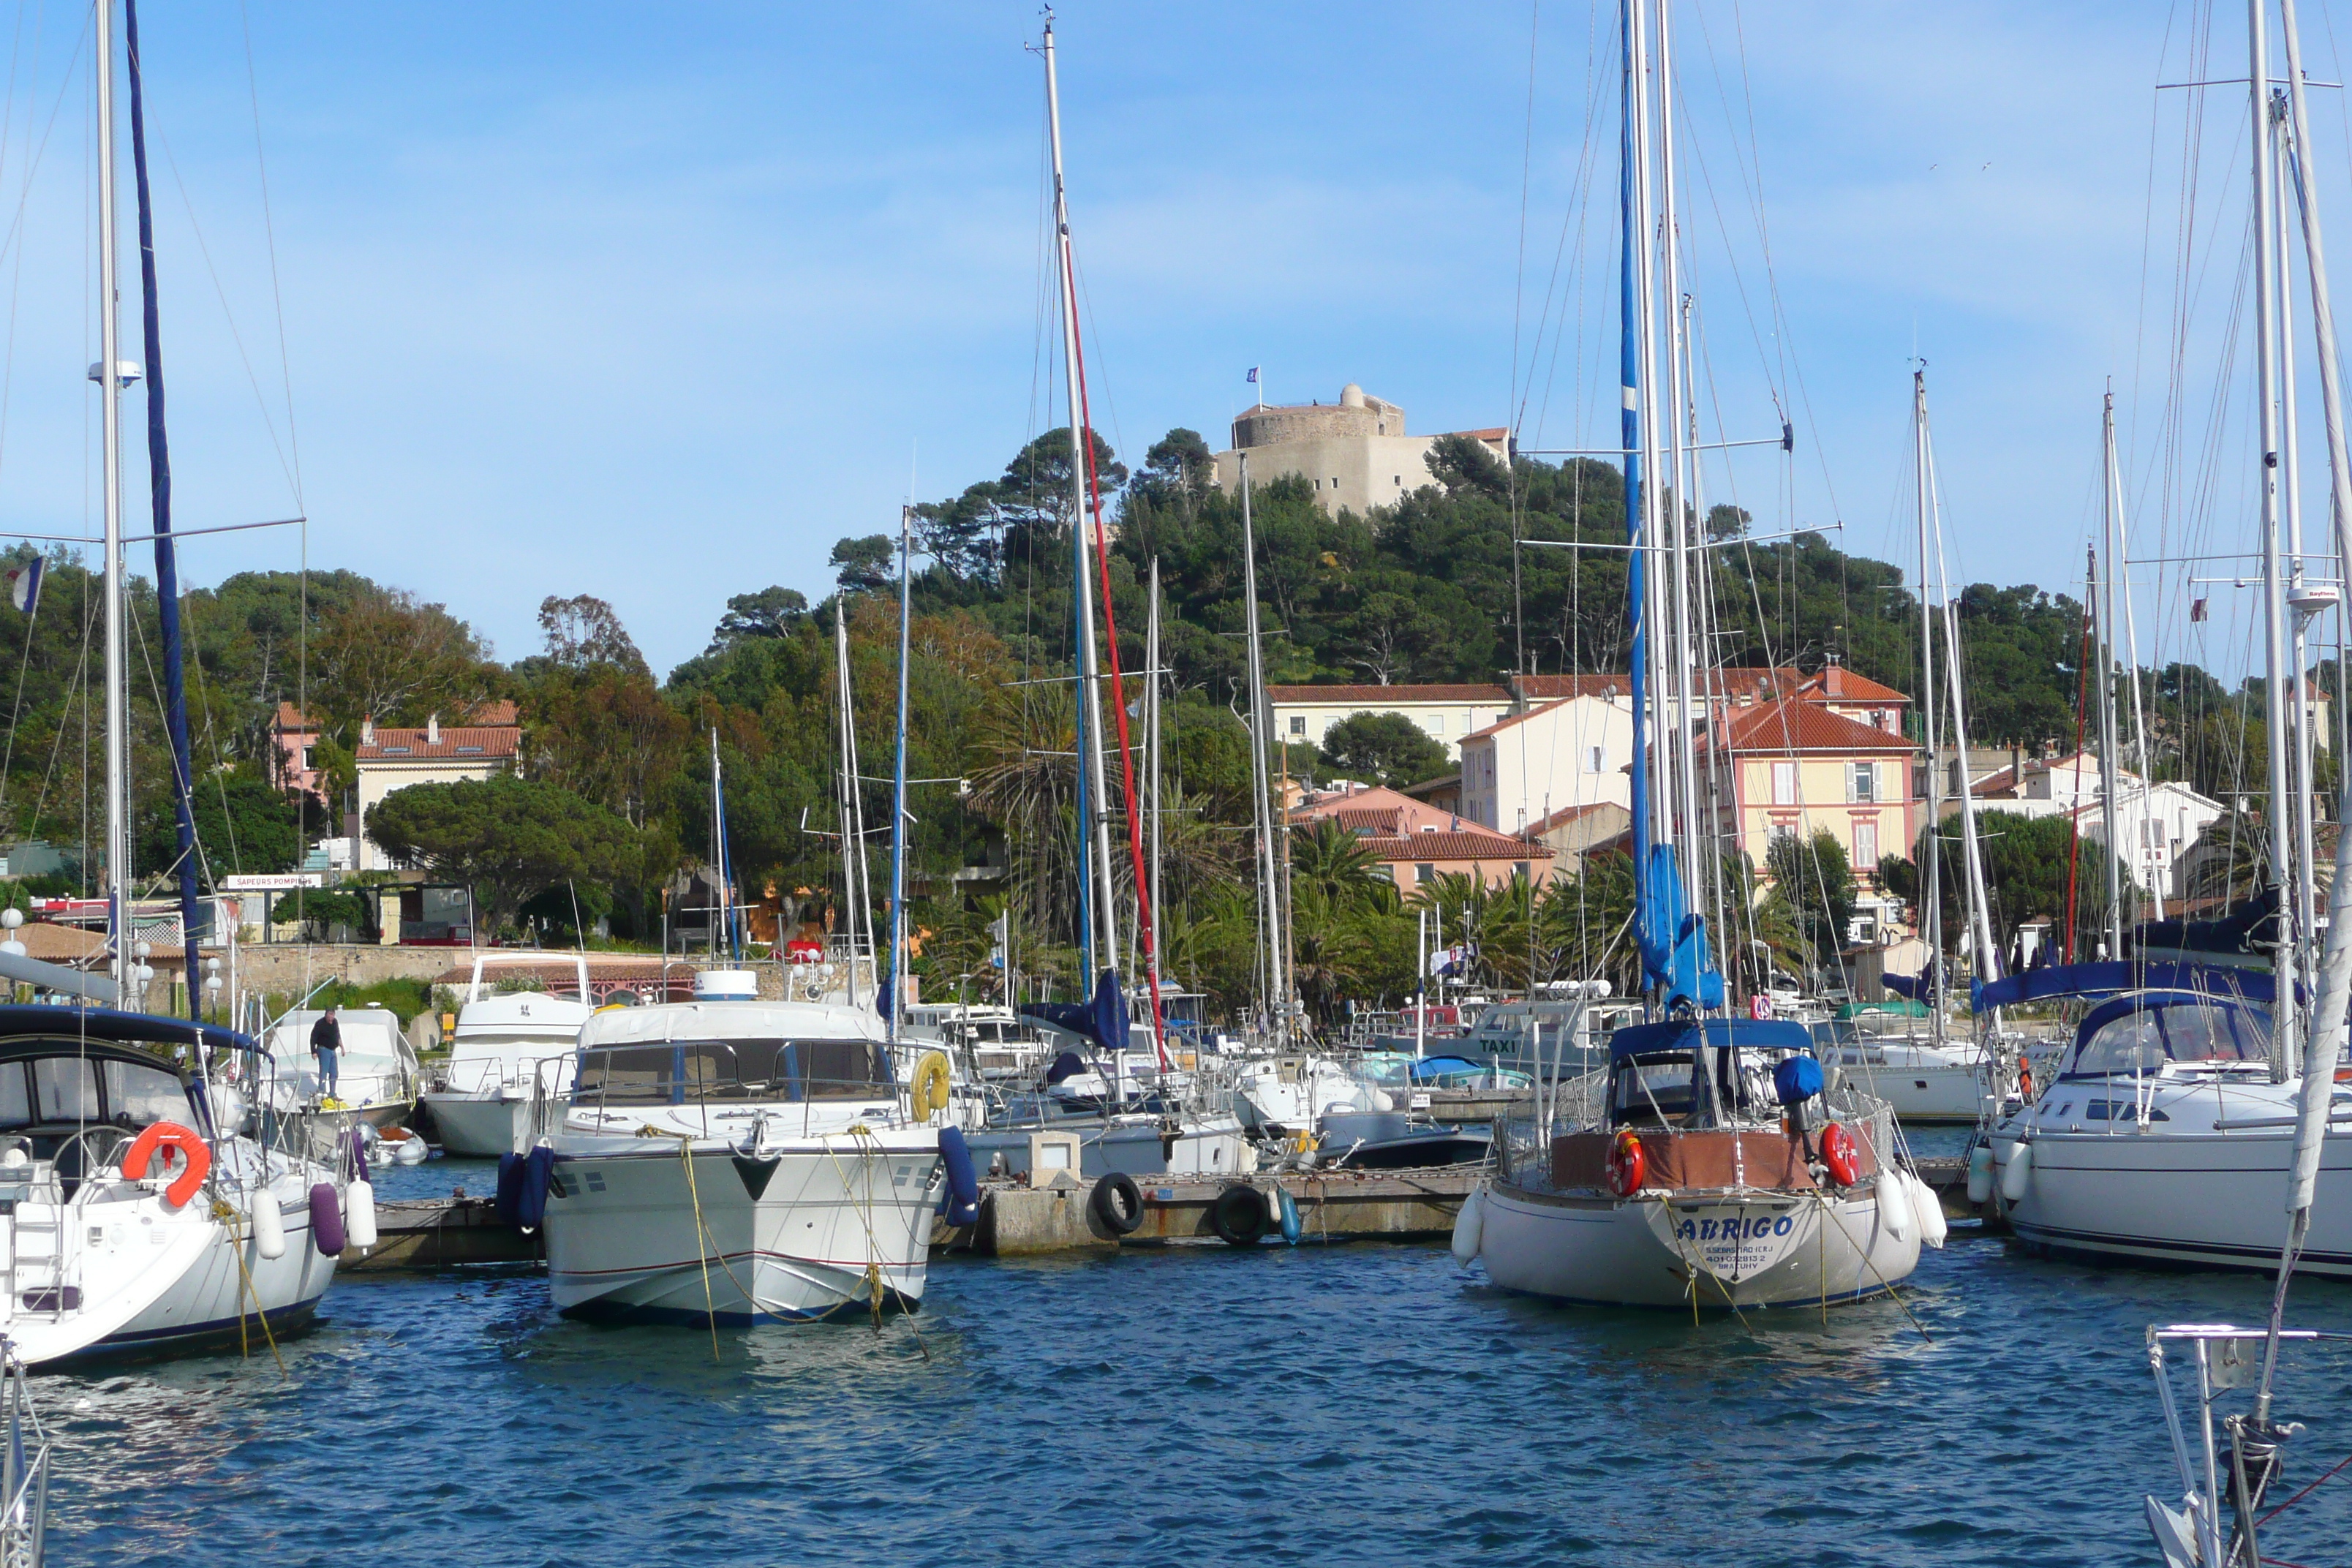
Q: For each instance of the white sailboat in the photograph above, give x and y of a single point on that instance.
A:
(2169, 1129)
(1711, 1164)
(136, 1213)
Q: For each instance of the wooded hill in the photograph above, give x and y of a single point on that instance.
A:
(1431, 590)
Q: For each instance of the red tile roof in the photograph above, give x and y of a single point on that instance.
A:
(469, 744)
(1833, 684)
(1556, 687)
(1373, 695)
(1473, 843)
(1791, 725)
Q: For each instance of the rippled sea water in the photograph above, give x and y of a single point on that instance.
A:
(1365, 1404)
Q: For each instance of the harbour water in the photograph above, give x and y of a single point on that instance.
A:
(1364, 1403)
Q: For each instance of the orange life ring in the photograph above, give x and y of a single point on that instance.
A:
(195, 1154)
(1838, 1155)
(1628, 1165)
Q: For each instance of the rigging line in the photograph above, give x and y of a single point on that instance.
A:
(78, 684)
(1518, 303)
(269, 233)
(228, 314)
(13, 234)
(16, 270)
(16, 710)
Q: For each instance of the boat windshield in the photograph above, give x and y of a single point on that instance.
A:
(698, 1072)
(2142, 1040)
(65, 1092)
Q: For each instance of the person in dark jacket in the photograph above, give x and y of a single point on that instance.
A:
(327, 1044)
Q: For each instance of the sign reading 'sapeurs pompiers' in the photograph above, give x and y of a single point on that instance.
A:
(283, 882)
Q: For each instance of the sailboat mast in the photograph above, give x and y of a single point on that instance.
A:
(1633, 362)
(2299, 737)
(1095, 829)
(1931, 869)
(899, 788)
(1988, 963)
(2111, 800)
(1151, 759)
(853, 816)
(1677, 519)
(167, 567)
(2285, 1047)
(118, 701)
(2121, 567)
(2323, 312)
(1261, 780)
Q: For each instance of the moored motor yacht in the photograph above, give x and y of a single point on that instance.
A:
(480, 1102)
(376, 1077)
(740, 1162)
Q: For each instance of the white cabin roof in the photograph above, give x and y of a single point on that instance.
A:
(731, 1021)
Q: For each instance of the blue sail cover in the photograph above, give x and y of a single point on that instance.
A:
(1674, 940)
(1919, 987)
(2109, 978)
(1102, 1020)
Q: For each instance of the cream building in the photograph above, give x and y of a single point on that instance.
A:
(1567, 753)
(1355, 452)
(390, 760)
(2160, 822)
(1303, 715)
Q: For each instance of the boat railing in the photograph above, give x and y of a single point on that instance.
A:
(24, 1471)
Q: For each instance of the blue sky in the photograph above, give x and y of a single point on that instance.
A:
(657, 303)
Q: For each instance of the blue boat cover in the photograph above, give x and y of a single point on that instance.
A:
(1678, 1034)
(1919, 987)
(2110, 977)
(1102, 1020)
(2107, 1013)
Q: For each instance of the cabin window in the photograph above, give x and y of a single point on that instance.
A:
(16, 1102)
(65, 1089)
(140, 1096)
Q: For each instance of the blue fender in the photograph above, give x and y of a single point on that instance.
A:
(963, 1182)
(1288, 1208)
(530, 1202)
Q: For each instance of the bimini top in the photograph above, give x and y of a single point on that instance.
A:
(2139, 1033)
(2108, 978)
(697, 1021)
(20, 1021)
(1682, 1034)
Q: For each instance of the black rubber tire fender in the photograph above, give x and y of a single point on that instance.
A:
(1240, 1215)
(1117, 1202)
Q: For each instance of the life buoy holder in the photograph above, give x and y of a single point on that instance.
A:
(1838, 1152)
(195, 1154)
(1628, 1165)
(931, 1089)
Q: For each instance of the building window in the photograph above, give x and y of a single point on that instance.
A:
(1784, 784)
(1861, 782)
(1519, 869)
(1424, 872)
(1596, 759)
(1865, 845)
(1783, 828)
(309, 757)
(1298, 723)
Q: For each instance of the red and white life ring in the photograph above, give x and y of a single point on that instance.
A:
(195, 1154)
(1838, 1153)
(1628, 1166)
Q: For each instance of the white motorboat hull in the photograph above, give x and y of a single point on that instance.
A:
(2205, 1198)
(481, 1125)
(1755, 1249)
(1937, 1091)
(840, 1226)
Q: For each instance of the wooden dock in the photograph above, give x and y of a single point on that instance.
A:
(427, 1234)
(439, 1233)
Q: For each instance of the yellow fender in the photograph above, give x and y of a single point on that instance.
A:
(930, 1092)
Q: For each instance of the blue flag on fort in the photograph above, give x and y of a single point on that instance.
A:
(1253, 374)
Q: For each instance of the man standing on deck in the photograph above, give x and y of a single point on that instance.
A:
(327, 1044)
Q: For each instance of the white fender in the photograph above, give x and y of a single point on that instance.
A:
(1895, 1203)
(359, 1216)
(1981, 1174)
(2017, 1176)
(1468, 1225)
(1929, 1207)
(268, 1225)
